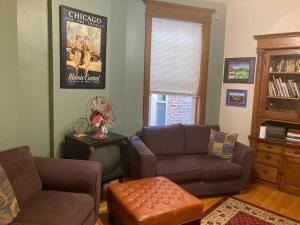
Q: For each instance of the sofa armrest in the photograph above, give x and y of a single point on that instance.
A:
(71, 176)
(143, 161)
(244, 156)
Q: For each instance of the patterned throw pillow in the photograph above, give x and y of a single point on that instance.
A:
(222, 144)
(9, 207)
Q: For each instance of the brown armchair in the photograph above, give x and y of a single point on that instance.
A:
(53, 191)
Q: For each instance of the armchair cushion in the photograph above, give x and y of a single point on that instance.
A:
(197, 138)
(21, 172)
(164, 140)
(68, 175)
(56, 208)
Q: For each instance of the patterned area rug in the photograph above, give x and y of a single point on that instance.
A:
(232, 211)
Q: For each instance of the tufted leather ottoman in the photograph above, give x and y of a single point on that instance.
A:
(155, 201)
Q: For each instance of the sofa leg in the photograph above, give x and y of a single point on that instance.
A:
(195, 222)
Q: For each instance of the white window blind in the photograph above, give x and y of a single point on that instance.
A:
(175, 57)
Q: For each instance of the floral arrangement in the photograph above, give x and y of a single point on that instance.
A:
(101, 115)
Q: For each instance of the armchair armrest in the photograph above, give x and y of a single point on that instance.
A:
(71, 176)
(143, 161)
(244, 156)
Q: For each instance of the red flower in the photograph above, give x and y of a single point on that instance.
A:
(94, 113)
(106, 118)
(107, 107)
(96, 120)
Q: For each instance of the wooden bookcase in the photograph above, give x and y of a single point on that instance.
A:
(277, 103)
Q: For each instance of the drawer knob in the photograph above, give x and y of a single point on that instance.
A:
(269, 146)
(296, 153)
(264, 171)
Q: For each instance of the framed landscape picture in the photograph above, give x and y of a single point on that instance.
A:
(82, 49)
(236, 97)
(239, 70)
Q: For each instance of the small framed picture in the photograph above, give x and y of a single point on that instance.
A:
(236, 97)
(239, 70)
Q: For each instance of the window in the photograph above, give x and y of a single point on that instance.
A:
(174, 71)
(170, 109)
(158, 110)
(176, 61)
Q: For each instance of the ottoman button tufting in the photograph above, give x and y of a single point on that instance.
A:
(152, 199)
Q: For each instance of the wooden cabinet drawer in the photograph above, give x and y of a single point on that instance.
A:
(292, 152)
(266, 173)
(268, 158)
(269, 147)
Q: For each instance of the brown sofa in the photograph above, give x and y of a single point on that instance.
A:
(179, 152)
(53, 191)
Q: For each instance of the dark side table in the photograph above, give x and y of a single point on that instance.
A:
(109, 151)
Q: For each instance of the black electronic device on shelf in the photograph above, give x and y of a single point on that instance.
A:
(275, 132)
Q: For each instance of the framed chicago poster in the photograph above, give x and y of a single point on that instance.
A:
(82, 49)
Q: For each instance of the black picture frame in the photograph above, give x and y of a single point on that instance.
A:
(239, 70)
(82, 49)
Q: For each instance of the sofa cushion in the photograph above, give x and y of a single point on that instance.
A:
(21, 172)
(164, 140)
(216, 169)
(56, 208)
(197, 138)
(178, 168)
(222, 144)
(9, 207)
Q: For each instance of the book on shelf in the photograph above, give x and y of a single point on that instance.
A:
(292, 139)
(297, 89)
(285, 65)
(282, 66)
(291, 65)
(279, 88)
(297, 65)
(293, 134)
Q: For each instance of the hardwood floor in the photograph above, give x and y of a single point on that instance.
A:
(257, 194)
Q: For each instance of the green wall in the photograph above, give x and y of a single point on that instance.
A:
(24, 110)
(134, 70)
(215, 66)
(125, 63)
(9, 118)
(70, 104)
(118, 54)
(33, 76)
(36, 112)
